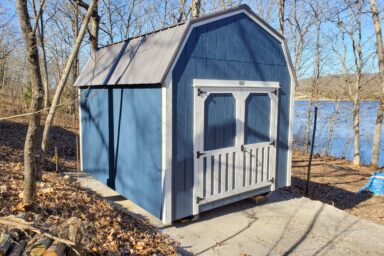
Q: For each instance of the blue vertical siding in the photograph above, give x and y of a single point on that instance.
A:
(233, 48)
(95, 133)
(220, 121)
(121, 142)
(257, 118)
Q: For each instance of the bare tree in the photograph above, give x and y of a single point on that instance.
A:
(316, 74)
(94, 24)
(65, 75)
(30, 164)
(182, 13)
(266, 9)
(300, 24)
(7, 45)
(350, 24)
(40, 30)
(331, 128)
(380, 57)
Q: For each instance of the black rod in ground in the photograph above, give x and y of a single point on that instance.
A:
(311, 153)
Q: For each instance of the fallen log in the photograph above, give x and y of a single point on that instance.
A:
(18, 248)
(56, 249)
(39, 247)
(5, 242)
(24, 226)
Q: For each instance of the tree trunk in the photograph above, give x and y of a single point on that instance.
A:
(36, 103)
(331, 128)
(45, 66)
(380, 110)
(356, 125)
(359, 62)
(75, 66)
(195, 8)
(3, 73)
(64, 78)
(308, 125)
(94, 24)
(182, 14)
(315, 81)
(94, 30)
(40, 30)
(281, 15)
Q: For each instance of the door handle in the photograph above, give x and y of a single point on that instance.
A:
(243, 149)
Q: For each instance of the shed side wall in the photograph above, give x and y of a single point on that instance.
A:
(233, 48)
(121, 142)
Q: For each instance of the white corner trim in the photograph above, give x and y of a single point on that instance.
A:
(234, 83)
(166, 161)
(290, 133)
(293, 84)
(80, 132)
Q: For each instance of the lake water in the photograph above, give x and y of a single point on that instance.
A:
(341, 144)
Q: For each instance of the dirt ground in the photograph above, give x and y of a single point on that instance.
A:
(337, 182)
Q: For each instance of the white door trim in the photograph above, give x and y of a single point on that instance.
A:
(209, 83)
(240, 91)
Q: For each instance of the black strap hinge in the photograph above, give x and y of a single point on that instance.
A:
(200, 92)
(199, 154)
(199, 199)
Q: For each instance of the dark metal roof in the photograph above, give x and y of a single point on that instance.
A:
(145, 59)
(140, 60)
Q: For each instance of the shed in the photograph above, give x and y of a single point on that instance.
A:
(190, 117)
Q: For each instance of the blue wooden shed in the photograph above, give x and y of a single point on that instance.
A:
(190, 117)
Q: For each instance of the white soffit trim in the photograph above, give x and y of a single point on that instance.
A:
(234, 83)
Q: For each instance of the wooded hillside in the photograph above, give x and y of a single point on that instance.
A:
(332, 87)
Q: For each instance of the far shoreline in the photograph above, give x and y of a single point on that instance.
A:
(331, 99)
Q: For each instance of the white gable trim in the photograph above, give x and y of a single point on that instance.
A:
(234, 83)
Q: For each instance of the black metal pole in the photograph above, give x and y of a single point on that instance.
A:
(311, 153)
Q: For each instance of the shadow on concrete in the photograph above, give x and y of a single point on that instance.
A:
(340, 198)
(326, 246)
(241, 206)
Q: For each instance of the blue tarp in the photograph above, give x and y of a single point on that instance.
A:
(375, 184)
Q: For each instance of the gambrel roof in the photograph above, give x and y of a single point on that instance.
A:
(147, 59)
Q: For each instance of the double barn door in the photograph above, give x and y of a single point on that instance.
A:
(235, 129)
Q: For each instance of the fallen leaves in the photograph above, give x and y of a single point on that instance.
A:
(107, 229)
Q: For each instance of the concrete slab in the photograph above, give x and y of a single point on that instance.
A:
(282, 225)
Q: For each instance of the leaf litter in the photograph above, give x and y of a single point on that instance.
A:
(106, 229)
